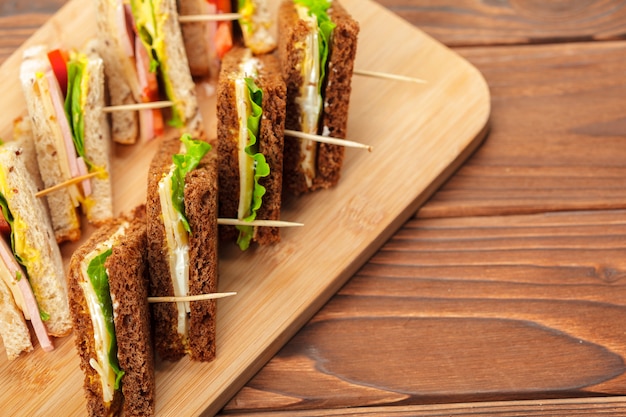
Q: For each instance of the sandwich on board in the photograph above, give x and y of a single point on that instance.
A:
(142, 47)
(182, 247)
(32, 284)
(250, 129)
(317, 42)
(207, 43)
(108, 292)
(64, 95)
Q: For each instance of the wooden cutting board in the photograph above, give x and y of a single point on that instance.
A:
(420, 135)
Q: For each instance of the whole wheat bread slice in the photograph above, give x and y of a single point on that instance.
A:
(200, 199)
(128, 285)
(336, 94)
(270, 140)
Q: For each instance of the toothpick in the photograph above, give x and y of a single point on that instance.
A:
(67, 183)
(326, 139)
(138, 106)
(266, 223)
(388, 76)
(201, 297)
(208, 17)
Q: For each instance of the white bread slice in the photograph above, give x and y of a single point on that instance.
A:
(13, 327)
(195, 37)
(176, 67)
(99, 209)
(257, 27)
(45, 271)
(122, 82)
(23, 137)
(65, 219)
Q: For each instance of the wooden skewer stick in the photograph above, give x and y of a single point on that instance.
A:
(388, 76)
(266, 223)
(326, 139)
(201, 297)
(228, 222)
(208, 17)
(138, 106)
(67, 183)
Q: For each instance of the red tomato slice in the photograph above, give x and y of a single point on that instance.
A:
(223, 39)
(157, 120)
(58, 62)
(5, 228)
(221, 5)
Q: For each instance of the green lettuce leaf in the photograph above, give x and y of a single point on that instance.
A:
(152, 37)
(76, 68)
(8, 216)
(319, 9)
(184, 163)
(261, 167)
(245, 9)
(99, 278)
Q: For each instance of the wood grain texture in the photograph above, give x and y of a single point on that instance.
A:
(464, 310)
(282, 286)
(579, 407)
(513, 22)
(557, 133)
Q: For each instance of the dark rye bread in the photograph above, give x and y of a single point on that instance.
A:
(270, 140)
(195, 37)
(201, 209)
(128, 285)
(336, 95)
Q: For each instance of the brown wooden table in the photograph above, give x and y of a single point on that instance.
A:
(504, 294)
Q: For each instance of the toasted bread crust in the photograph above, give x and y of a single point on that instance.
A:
(83, 327)
(270, 140)
(201, 210)
(336, 94)
(195, 38)
(128, 284)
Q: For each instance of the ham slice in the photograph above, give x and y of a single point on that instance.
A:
(82, 169)
(59, 109)
(122, 12)
(27, 294)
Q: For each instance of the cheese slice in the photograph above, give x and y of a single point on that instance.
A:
(102, 338)
(177, 250)
(309, 100)
(247, 69)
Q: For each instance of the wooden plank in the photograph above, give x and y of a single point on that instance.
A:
(557, 133)
(478, 22)
(420, 135)
(578, 407)
(465, 310)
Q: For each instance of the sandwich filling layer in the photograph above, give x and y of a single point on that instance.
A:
(177, 228)
(46, 87)
(315, 51)
(255, 22)
(252, 164)
(150, 26)
(94, 282)
(15, 258)
(178, 249)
